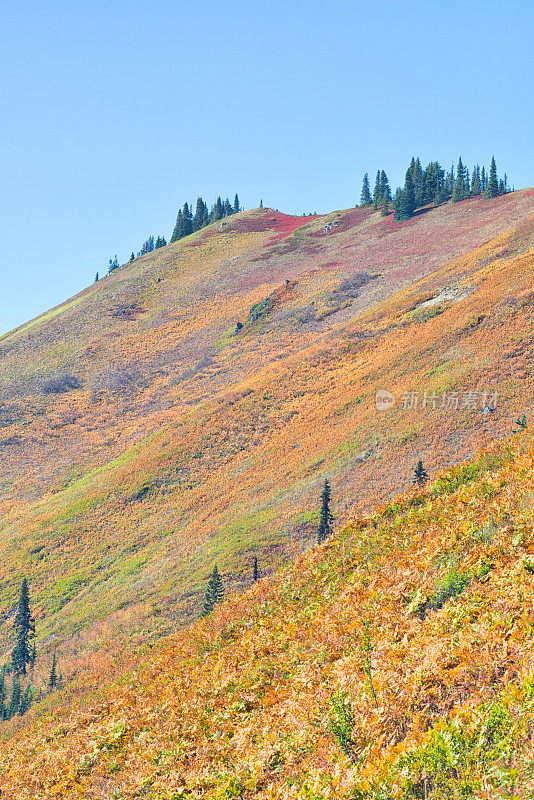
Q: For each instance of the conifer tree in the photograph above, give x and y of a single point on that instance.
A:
(214, 592)
(25, 630)
(475, 181)
(365, 197)
(261, 203)
(132, 257)
(26, 698)
(420, 474)
(255, 571)
(458, 192)
(385, 191)
(14, 702)
(483, 181)
(96, 278)
(326, 515)
(492, 189)
(198, 219)
(385, 207)
(404, 203)
(376, 191)
(236, 204)
(417, 176)
(52, 679)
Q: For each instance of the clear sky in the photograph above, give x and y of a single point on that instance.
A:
(114, 113)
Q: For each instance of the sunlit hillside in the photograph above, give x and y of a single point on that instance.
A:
(394, 661)
(146, 436)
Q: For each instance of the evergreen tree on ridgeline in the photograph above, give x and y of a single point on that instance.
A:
(178, 228)
(475, 189)
(492, 189)
(417, 176)
(25, 631)
(385, 191)
(483, 181)
(326, 515)
(365, 197)
(404, 202)
(376, 191)
(236, 204)
(458, 192)
(200, 214)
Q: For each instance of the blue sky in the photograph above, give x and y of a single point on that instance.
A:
(114, 113)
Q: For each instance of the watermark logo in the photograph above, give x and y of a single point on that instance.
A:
(469, 400)
(384, 400)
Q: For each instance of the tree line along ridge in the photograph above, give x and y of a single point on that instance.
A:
(431, 185)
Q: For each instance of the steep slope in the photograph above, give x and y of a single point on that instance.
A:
(395, 660)
(145, 438)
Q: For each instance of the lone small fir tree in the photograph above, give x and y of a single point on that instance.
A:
(420, 474)
(214, 592)
(255, 571)
(326, 515)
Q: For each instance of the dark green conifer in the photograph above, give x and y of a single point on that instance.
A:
(25, 631)
(14, 702)
(52, 679)
(483, 181)
(178, 228)
(385, 191)
(187, 220)
(26, 698)
(255, 571)
(236, 204)
(475, 181)
(214, 592)
(492, 189)
(132, 257)
(418, 182)
(365, 197)
(96, 278)
(261, 203)
(376, 191)
(218, 210)
(326, 515)
(198, 219)
(404, 203)
(420, 474)
(458, 192)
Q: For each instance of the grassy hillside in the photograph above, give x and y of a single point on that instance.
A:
(145, 438)
(394, 661)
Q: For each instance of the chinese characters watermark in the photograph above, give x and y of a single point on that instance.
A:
(469, 400)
